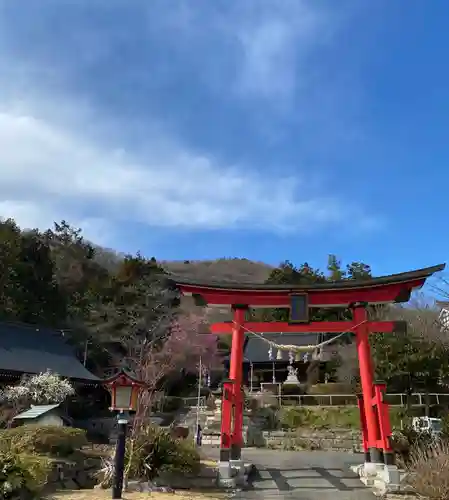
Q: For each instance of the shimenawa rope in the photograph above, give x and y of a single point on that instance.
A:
(296, 348)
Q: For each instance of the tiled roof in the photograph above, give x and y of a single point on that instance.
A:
(35, 411)
(328, 285)
(32, 349)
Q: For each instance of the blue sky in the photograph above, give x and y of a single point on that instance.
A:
(266, 129)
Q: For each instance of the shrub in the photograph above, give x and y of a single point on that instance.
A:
(171, 404)
(22, 476)
(430, 471)
(317, 400)
(45, 440)
(252, 403)
(330, 388)
(399, 418)
(154, 450)
(407, 440)
(295, 443)
(267, 418)
(97, 437)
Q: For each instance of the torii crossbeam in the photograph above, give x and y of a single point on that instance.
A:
(314, 327)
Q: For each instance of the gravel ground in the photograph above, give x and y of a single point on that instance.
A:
(98, 494)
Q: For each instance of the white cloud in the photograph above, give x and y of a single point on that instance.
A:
(276, 39)
(51, 172)
(57, 161)
(260, 49)
(39, 214)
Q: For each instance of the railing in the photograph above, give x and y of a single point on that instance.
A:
(416, 399)
(166, 401)
(193, 401)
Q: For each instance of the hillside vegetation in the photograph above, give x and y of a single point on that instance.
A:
(228, 269)
(225, 269)
(118, 305)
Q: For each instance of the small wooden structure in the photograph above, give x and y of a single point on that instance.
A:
(45, 415)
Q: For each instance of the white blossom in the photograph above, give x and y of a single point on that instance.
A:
(45, 388)
(7, 487)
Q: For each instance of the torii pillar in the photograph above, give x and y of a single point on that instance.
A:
(231, 440)
(360, 318)
(236, 377)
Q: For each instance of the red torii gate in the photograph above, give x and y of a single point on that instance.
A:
(353, 294)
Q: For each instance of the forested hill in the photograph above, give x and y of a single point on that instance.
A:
(240, 270)
(223, 269)
(116, 305)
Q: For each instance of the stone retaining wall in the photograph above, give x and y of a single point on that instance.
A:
(211, 439)
(337, 439)
(70, 475)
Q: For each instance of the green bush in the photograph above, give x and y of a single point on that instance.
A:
(154, 450)
(22, 476)
(317, 400)
(330, 388)
(347, 417)
(43, 440)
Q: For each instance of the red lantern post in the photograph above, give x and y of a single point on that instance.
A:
(124, 390)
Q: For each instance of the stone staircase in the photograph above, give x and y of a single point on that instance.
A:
(189, 417)
(210, 422)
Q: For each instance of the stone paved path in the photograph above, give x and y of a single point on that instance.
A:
(302, 475)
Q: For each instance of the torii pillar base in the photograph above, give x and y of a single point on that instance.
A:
(226, 476)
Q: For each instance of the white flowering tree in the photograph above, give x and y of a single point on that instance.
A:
(45, 388)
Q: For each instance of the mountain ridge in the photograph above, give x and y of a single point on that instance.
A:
(226, 269)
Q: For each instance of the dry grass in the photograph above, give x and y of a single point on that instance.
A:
(209, 463)
(224, 269)
(401, 496)
(98, 494)
(430, 471)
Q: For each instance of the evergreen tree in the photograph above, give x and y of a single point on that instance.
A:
(334, 268)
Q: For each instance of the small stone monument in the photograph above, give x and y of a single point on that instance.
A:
(292, 377)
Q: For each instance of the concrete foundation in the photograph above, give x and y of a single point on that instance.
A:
(238, 471)
(370, 469)
(392, 478)
(381, 478)
(226, 475)
(233, 474)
